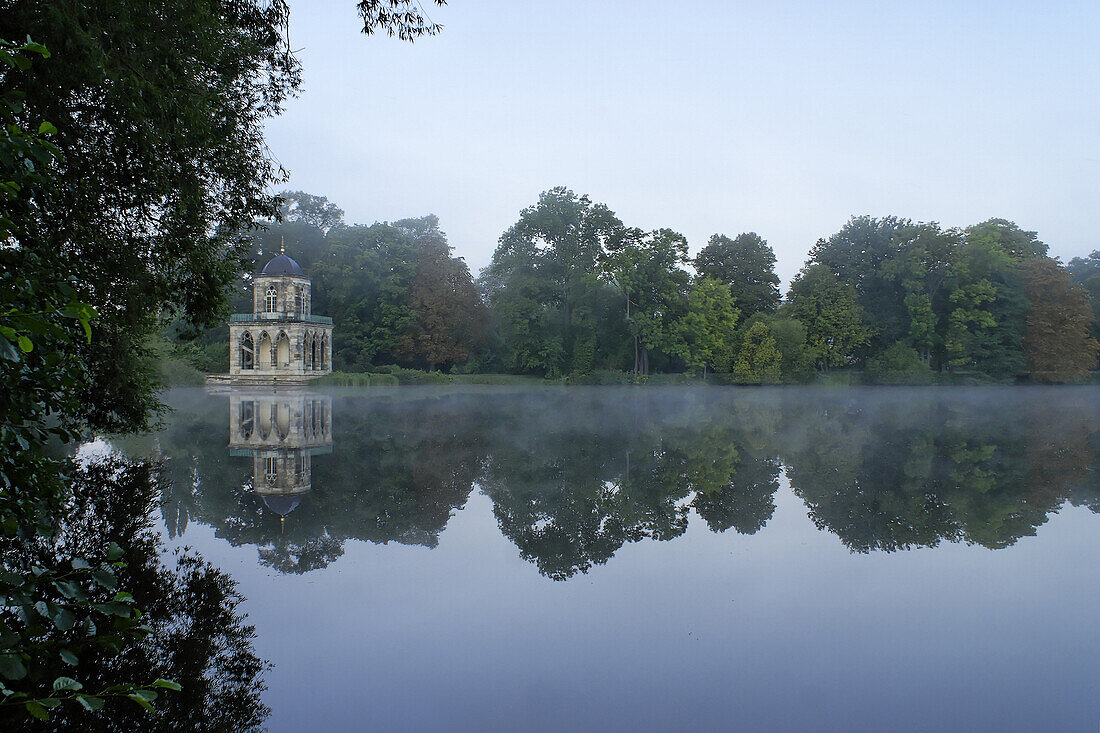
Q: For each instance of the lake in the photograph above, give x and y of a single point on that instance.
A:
(647, 558)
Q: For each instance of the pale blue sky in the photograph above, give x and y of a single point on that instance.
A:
(784, 117)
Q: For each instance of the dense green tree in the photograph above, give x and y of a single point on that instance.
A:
(858, 256)
(1058, 344)
(790, 339)
(647, 268)
(922, 272)
(831, 314)
(159, 114)
(899, 364)
(543, 269)
(1008, 238)
(746, 264)
(985, 325)
(759, 360)
(364, 281)
(704, 335)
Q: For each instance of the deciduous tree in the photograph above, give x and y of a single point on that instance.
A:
(1057, 344)
(746, 264)
(703, 336)
(829, 310)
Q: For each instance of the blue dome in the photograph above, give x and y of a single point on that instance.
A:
(282, 265)
(282, 503)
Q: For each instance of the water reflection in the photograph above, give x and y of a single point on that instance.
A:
(574, 475)
(199, 635)
(281, 433)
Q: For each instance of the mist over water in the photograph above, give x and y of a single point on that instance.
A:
(653, 558)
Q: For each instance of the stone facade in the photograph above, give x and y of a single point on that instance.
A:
(281, 337)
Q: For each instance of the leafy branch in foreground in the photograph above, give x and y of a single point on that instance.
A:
(51, 613)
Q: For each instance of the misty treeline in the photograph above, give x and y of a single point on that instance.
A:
(573, 292)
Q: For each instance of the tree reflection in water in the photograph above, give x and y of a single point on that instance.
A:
(199, 638)
(573, 475)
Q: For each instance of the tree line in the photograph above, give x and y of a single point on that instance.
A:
(573, 292)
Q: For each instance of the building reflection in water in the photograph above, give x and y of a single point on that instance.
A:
(281, 432)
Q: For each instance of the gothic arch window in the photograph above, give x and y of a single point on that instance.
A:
(316, 361)
(324, 348)
(271, 299)
(248, 352)
(264, 351)
(280, 354)
(271, 470)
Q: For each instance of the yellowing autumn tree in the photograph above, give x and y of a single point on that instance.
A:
(1057, 344)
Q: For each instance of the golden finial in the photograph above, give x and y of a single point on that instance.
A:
(282, 245)
(282, 523)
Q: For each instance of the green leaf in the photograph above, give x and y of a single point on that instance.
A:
(25, 344)
(90, 702)
(69, 657)
(66, 683)
(37, 48)
(69, 589)
(115, 609)
(106, 579)
(141, 701)
(168, 685)
(114, 552)
(80, 563)
(149, 695)
(37, 710)
(11, 666)
(64, 620)
(49, 702)
(47, 128)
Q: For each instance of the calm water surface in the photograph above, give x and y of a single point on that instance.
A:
(653, 558)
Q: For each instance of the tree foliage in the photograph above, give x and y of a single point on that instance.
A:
(1058, 344)
(833, 318)
(704, 336)
(159, 112)
(759, 361)
(745, 264)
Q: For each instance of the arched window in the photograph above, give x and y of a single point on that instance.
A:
(271, 470)
(281, 354)
(324, 347)
(271, 299)
(248, 352)
(299, 300)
